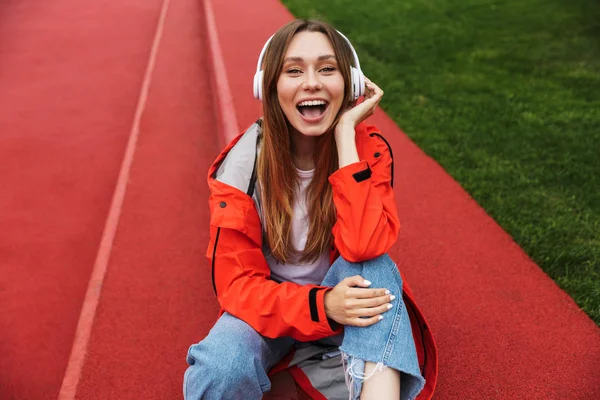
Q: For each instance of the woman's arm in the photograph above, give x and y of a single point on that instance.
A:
(346, 145)
(367, 220)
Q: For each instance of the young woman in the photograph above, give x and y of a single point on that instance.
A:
(303, 214)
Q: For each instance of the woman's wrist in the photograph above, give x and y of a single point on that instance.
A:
(333, 324)
(344, 129)
(346, 144)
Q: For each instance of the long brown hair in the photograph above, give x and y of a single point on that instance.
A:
(276, 173)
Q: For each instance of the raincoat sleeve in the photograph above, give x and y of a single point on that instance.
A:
(367, 219)
(241, 275)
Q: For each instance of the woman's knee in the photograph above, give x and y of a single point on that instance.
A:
(217, 371)
(223, 362)
(383, 261)
(225, 354)
(382, 271)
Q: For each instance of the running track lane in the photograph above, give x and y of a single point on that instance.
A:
(70, 78)
(157, 296)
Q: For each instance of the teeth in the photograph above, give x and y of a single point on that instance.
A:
(312, 103)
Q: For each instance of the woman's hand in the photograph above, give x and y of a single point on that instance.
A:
(346, 303)
(344, 130)
(355, 115)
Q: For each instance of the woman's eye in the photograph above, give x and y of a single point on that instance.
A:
(297, 71)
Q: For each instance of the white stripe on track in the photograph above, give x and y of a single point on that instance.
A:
(226, 111)
(83, 332)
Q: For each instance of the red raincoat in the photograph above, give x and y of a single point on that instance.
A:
(367, 226)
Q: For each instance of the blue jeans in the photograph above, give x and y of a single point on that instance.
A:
(233, 360)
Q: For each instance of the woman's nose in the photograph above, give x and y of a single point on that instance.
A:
(312, 81)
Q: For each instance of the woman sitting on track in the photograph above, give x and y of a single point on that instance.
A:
(303, 215)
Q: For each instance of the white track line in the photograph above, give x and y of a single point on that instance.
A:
(221, 83)
(88, 310)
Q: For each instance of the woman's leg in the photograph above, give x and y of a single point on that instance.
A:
(389, 342)
(380, 386)
(232, 362)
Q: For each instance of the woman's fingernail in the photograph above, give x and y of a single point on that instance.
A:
(389, 306)
(367, 282)
(392, 297)
(387, 292)
(380, 317)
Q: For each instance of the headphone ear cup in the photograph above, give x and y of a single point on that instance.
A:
(258, 83)
(358, 83)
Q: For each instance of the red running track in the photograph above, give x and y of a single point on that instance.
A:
(158, 297)
(70, 77)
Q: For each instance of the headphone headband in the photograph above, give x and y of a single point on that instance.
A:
(358, 86)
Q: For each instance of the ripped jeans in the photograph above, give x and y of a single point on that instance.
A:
(233, 361)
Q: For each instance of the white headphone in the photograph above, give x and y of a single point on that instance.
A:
(358, 79)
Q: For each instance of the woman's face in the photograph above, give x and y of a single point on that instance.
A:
(310, 73)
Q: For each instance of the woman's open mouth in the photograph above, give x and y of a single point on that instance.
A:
(312, 111)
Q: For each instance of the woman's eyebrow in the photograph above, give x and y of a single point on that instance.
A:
(300, 59)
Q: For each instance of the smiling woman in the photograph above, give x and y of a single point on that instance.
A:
(303, 215)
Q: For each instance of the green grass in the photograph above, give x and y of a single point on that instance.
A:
(506, 97)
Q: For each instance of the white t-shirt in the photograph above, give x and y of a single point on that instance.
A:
(294, 270)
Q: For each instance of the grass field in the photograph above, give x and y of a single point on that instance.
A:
(506, 97)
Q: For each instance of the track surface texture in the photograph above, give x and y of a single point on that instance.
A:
(70, 78)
